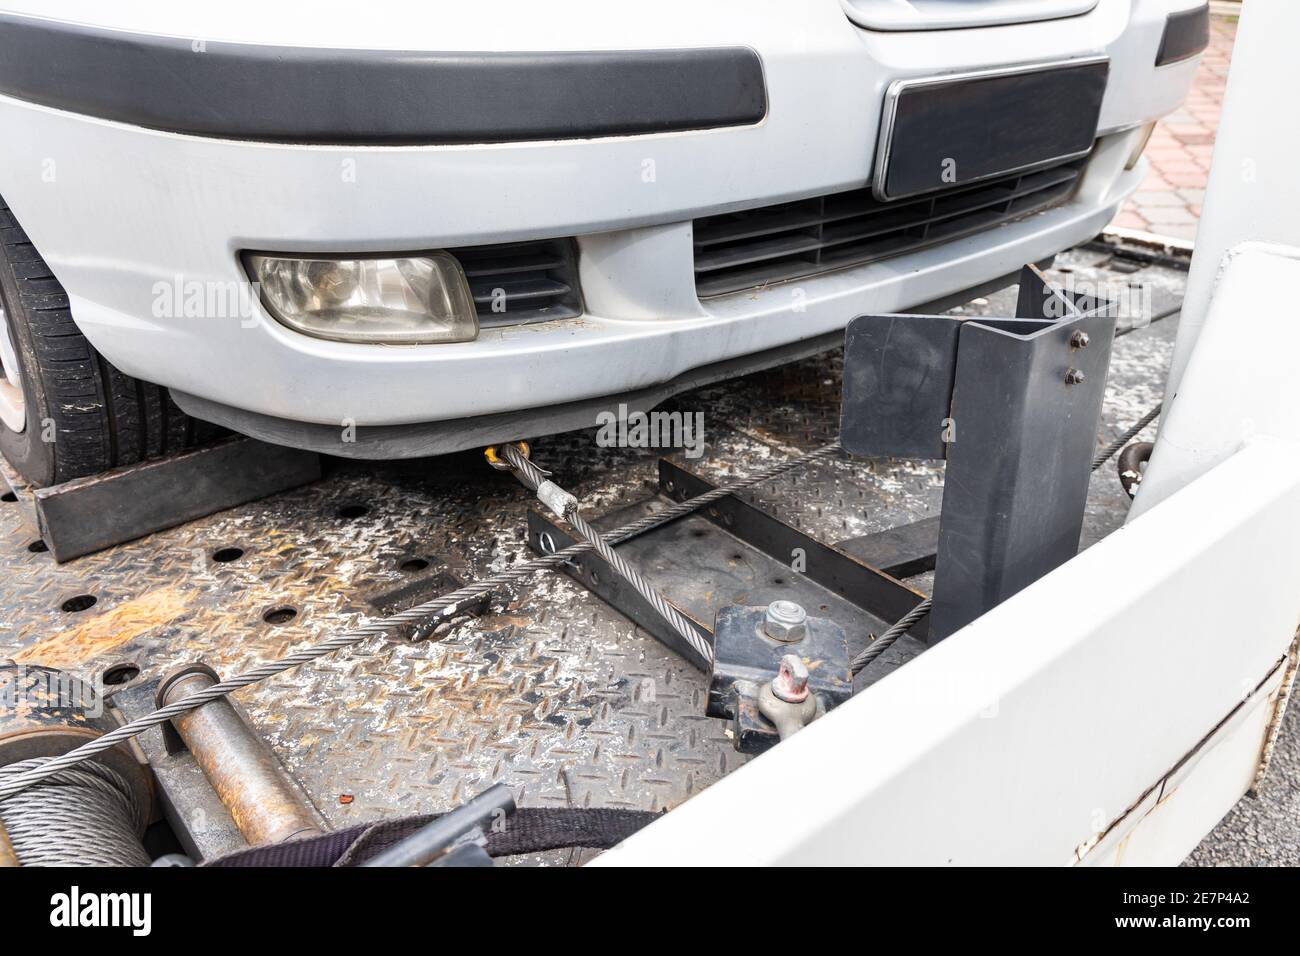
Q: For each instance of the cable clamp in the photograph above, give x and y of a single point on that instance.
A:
(557, 499)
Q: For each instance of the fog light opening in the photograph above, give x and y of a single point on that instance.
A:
(388, 300)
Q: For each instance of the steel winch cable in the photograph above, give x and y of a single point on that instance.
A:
(1106, 453)
(1165, 313)
(415, 623)
(566, 506)
(86, 815)
(887, 639)
(890, 636)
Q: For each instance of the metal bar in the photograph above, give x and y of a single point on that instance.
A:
(902, 551)
(757, 552)
(567, 507)
(840, 573)
(593, 573)
(86, 515)
(201, 822)
(464, 855)
(415, 592)
(264, 802)
(432, 840)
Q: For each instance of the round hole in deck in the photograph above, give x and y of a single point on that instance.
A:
(118, 674)
(226, 555)
(38, 547)
(280, 615)
(778, 580)
(699, 532)
(354, 510)
(8, 496)
(79, 603)
(413, 565)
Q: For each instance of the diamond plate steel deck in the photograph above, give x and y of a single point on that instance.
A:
(550, 691)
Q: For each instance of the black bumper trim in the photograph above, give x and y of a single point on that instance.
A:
(1187, 33)
(374, 97)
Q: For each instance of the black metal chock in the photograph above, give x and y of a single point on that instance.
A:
(1013, 405)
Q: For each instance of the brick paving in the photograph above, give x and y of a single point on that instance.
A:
(1169, 201)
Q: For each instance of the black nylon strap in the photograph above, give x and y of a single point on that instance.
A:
(527, 830)
(553, 829)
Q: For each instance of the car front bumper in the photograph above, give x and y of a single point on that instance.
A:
(120, 211)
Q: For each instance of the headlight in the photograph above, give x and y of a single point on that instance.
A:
(388, 300)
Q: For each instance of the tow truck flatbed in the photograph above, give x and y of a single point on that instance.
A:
(550, 690)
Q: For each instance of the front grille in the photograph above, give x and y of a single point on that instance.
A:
(741, 250)
(522, 282)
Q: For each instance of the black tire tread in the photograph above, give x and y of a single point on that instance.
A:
(102, 418)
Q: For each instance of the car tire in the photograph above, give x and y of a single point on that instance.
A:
(70, 414)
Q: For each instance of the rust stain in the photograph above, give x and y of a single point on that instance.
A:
(512, 621)
(107, 631)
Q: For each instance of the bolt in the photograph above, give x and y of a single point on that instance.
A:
(1074, 377)
(791, 681)
(785, 621)
(1080, 339)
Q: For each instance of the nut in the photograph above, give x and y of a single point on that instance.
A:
(1074, 377)
(1080, 339)
(785, 621)
(791, 681)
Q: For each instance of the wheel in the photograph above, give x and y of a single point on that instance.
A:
(64, 411)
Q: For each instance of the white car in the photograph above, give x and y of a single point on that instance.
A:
(399, 229)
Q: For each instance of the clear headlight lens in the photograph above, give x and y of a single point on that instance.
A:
(392, 301)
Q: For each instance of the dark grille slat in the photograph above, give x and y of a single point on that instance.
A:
(508, 266)
(1039, 201)
(867, 229)
(538, 281)
(753, 252)
(736, 251)
(518, 289)
(752, 227)
(947, 206)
